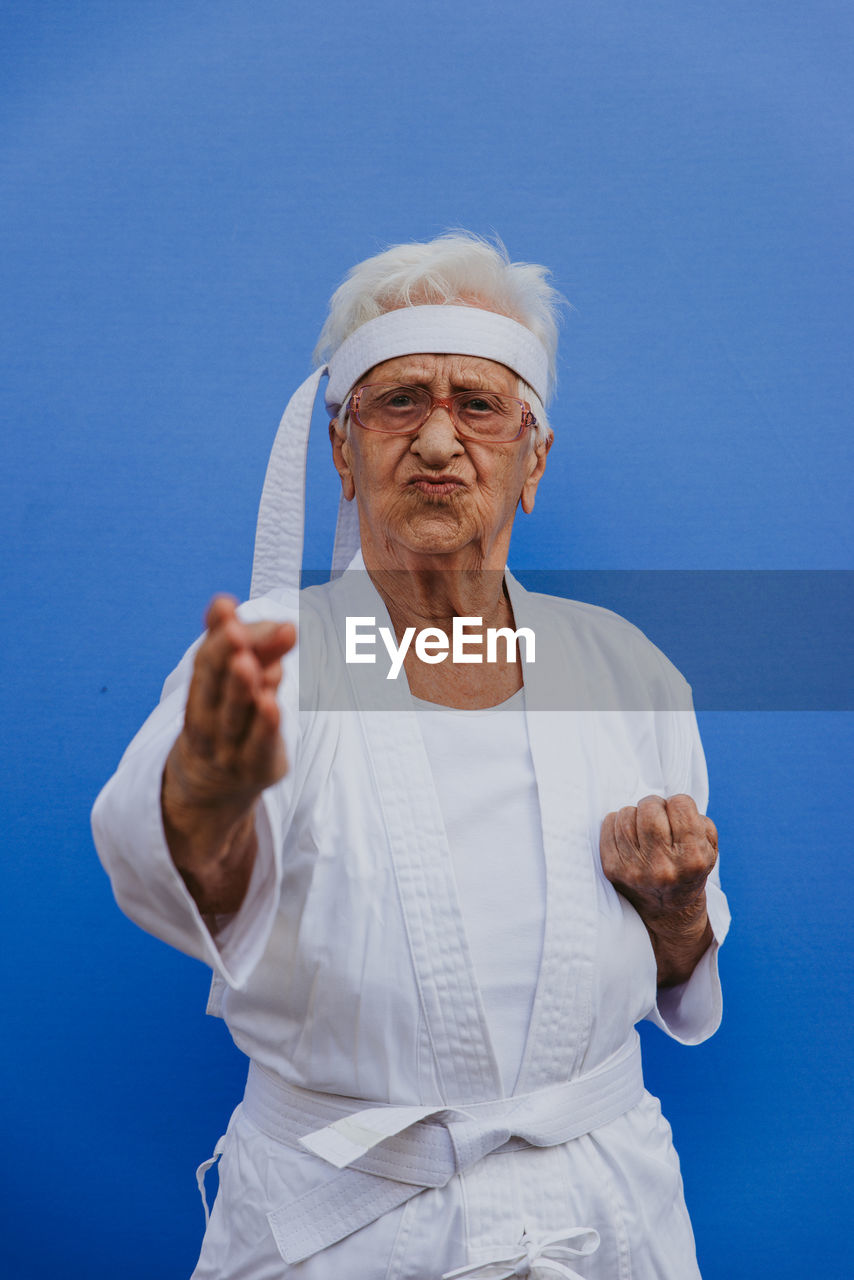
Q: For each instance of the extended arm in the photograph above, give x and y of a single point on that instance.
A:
(229, 750)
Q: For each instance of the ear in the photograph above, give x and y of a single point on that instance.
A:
(538, 466)
(341, 456)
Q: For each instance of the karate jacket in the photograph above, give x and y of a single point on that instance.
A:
(373, 1141)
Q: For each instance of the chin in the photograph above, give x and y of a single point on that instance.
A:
(433, 538)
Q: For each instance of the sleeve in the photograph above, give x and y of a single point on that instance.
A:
(128, 832)
(691, 1012)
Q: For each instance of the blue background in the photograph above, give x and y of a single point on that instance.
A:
(183, 185)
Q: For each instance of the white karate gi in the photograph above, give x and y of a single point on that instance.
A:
(347, 972)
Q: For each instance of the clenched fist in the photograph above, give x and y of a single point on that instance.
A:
(227, 753)
(658, 855)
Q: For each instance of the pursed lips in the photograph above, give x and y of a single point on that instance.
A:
(437, 486)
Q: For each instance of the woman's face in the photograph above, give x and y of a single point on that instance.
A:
(435, 494)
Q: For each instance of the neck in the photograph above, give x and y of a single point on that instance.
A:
(431, 588)
(434, 597)
(431, 591)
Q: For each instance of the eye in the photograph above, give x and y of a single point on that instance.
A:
(389, 400)
(391, 397)
(478, 404)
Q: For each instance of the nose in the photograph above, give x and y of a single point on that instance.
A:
(437, 440)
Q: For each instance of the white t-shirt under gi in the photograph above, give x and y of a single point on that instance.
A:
(496, 844)
(435, 983)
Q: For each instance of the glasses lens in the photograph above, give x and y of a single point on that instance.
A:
(479, 415)
(391, 408)
(488, 415)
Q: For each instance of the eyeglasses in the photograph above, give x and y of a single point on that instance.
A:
(487, 416)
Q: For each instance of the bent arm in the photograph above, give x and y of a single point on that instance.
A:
(658, 854)
(669, 870)
(691, 1011)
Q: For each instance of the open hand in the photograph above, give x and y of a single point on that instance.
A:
(229, 750)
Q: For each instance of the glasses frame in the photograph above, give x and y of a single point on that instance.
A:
(442, 402)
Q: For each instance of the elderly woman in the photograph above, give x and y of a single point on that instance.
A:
(438, 883)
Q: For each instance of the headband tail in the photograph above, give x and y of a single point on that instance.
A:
(281, 515)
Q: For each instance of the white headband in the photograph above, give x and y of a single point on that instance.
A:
(453, 330)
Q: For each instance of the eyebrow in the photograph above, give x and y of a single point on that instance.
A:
(424, 384)
(472, 380)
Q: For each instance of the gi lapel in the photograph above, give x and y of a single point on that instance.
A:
(451, 1001)
(563, 749)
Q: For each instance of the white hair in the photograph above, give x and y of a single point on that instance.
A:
(455, 267)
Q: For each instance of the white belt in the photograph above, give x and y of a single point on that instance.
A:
(387, 1154)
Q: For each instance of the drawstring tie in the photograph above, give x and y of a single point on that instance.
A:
(200, 1176)
(542, 1254)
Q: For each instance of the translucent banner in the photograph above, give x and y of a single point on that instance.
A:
(745, 640)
